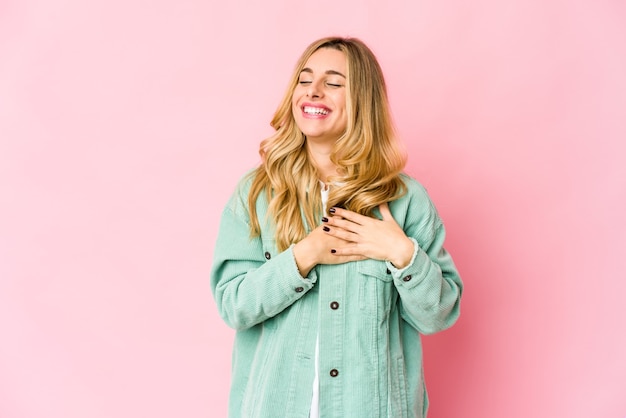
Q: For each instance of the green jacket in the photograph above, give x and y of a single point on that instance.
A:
(369, 316)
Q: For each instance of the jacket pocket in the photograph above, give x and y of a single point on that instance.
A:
(377, 293)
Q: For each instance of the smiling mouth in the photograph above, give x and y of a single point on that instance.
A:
(310, 110)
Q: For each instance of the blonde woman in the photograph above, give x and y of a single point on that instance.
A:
(329, 261)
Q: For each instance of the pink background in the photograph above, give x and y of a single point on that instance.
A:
(124, 126)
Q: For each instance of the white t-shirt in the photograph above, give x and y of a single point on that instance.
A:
(315, 400)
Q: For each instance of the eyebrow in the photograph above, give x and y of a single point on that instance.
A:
(330, 72)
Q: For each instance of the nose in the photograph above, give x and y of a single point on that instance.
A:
(313, 90)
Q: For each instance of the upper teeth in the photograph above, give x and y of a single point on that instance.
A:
(315, 110)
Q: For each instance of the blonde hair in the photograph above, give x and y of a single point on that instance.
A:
(368, 157)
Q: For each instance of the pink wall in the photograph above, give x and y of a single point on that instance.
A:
(124, 125)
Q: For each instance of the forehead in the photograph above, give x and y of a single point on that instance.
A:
(326, 59)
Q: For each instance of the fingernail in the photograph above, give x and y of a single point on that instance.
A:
(333, 251)
(331, 210)
(326, 229)
(324, 219)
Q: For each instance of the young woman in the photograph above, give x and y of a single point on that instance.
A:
(329, 261)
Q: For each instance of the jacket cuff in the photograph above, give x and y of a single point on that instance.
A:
(311, 278)
(405, 275)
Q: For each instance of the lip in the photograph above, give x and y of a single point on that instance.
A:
(317, 106)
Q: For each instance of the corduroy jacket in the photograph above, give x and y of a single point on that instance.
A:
(367, 314)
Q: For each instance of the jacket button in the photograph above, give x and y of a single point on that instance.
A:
(299, 289)
(334, 305)
(268, 255)
(407, 278)
(334, 373)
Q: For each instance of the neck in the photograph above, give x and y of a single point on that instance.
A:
(320, 156)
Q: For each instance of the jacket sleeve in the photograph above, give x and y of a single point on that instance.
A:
(430, 286)
(249, 283)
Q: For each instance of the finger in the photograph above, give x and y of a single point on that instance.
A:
(349, 215)
(343, 223)
(385, 212)
(341, 233)
(348, 251)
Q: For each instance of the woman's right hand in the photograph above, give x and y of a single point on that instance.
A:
(316, 248)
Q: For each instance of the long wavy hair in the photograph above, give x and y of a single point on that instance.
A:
(368, 157)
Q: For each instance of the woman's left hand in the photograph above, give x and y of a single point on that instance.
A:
(371, 237)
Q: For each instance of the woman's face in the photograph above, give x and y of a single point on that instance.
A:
(319, 99)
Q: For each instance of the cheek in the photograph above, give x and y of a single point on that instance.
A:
(295, 111)
(343, 106)
(341, 102)
(344, 117)
(295, 98)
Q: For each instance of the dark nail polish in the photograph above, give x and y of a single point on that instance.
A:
(324, 219)
(331, 210)
(326, 229)
(333, 251)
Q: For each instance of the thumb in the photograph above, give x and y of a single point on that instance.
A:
(385, 212)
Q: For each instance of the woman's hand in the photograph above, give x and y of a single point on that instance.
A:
(316, 248)
(369, 237)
